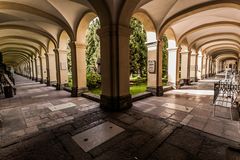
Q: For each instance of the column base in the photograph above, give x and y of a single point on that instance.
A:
(50, 83)
(174, 85)
(195, 79)
(186, 81)
(59, 86)
(76, 92)
(119, 103)
(156, 91)
(37, 79)
(41, 81)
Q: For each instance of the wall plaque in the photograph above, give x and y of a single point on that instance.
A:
(151, 66)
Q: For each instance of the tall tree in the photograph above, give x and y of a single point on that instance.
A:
(93, 46)
(138, 48)
(165, 57)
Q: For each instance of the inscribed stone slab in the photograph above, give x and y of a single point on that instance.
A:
(62, 106)
(177, 107)
(95, 136)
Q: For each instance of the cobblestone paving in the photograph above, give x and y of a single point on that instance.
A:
(33, 132)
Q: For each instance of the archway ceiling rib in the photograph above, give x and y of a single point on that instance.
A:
(227, 46)
(221, 57)
(160, 10)
(211, 29)
(220, 43)
(51, 16)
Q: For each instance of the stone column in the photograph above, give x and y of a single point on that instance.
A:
(62, 69)
(40, 69)
(159, 91)
(115, 67)
(151, 67)
(52, 75)
(196, 68)
(33, 70)
(239, 65)
(185, 67)
(44, 69)
(47, 69)
(173, 67)
(36, 69)
(199, 67)
(206, 66)
(78, 56)
(193, 66)
(217, 66)
(189, 66)
(29, 69)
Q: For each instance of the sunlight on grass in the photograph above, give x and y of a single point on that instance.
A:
(139, 88)
(134, 89)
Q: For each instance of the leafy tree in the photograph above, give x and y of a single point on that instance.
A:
(138, 48)
(93, 54)
(93, 46)
(69, 61)
(165, 57)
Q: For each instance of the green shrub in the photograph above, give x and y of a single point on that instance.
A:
(93, 80)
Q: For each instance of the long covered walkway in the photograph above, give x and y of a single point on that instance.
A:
(188, 45)
(40, 123)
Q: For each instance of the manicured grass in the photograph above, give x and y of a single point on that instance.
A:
(96, 91)
(134, 89)
(138, 88)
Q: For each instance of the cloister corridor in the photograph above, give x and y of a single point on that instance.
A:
(119, 79)
(179, 122)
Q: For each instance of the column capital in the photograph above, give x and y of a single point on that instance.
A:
(152, 44)
(179, 48)
(61, 51)
(172, 49)
(77, 44)
(184, 52)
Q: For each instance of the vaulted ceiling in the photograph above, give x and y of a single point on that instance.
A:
(27, 26)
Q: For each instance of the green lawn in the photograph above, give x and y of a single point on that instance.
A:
(138, 88)
(134, 89)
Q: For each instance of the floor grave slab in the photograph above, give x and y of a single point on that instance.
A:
(62, 106)
(34, 90)
(186, 120)
(40, 96)
(96, 136)
(177, 107)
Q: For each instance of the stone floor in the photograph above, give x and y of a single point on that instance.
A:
(157, 128)
(192, 106)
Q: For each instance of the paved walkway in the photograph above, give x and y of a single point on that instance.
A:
(30, 110)
(42, 123)
(192, 106)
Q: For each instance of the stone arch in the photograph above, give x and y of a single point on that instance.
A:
(172, 41)
(61, 60)
(83, 27)
(151, 43)
(63, 40)
(148, 24)
(51, 64)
